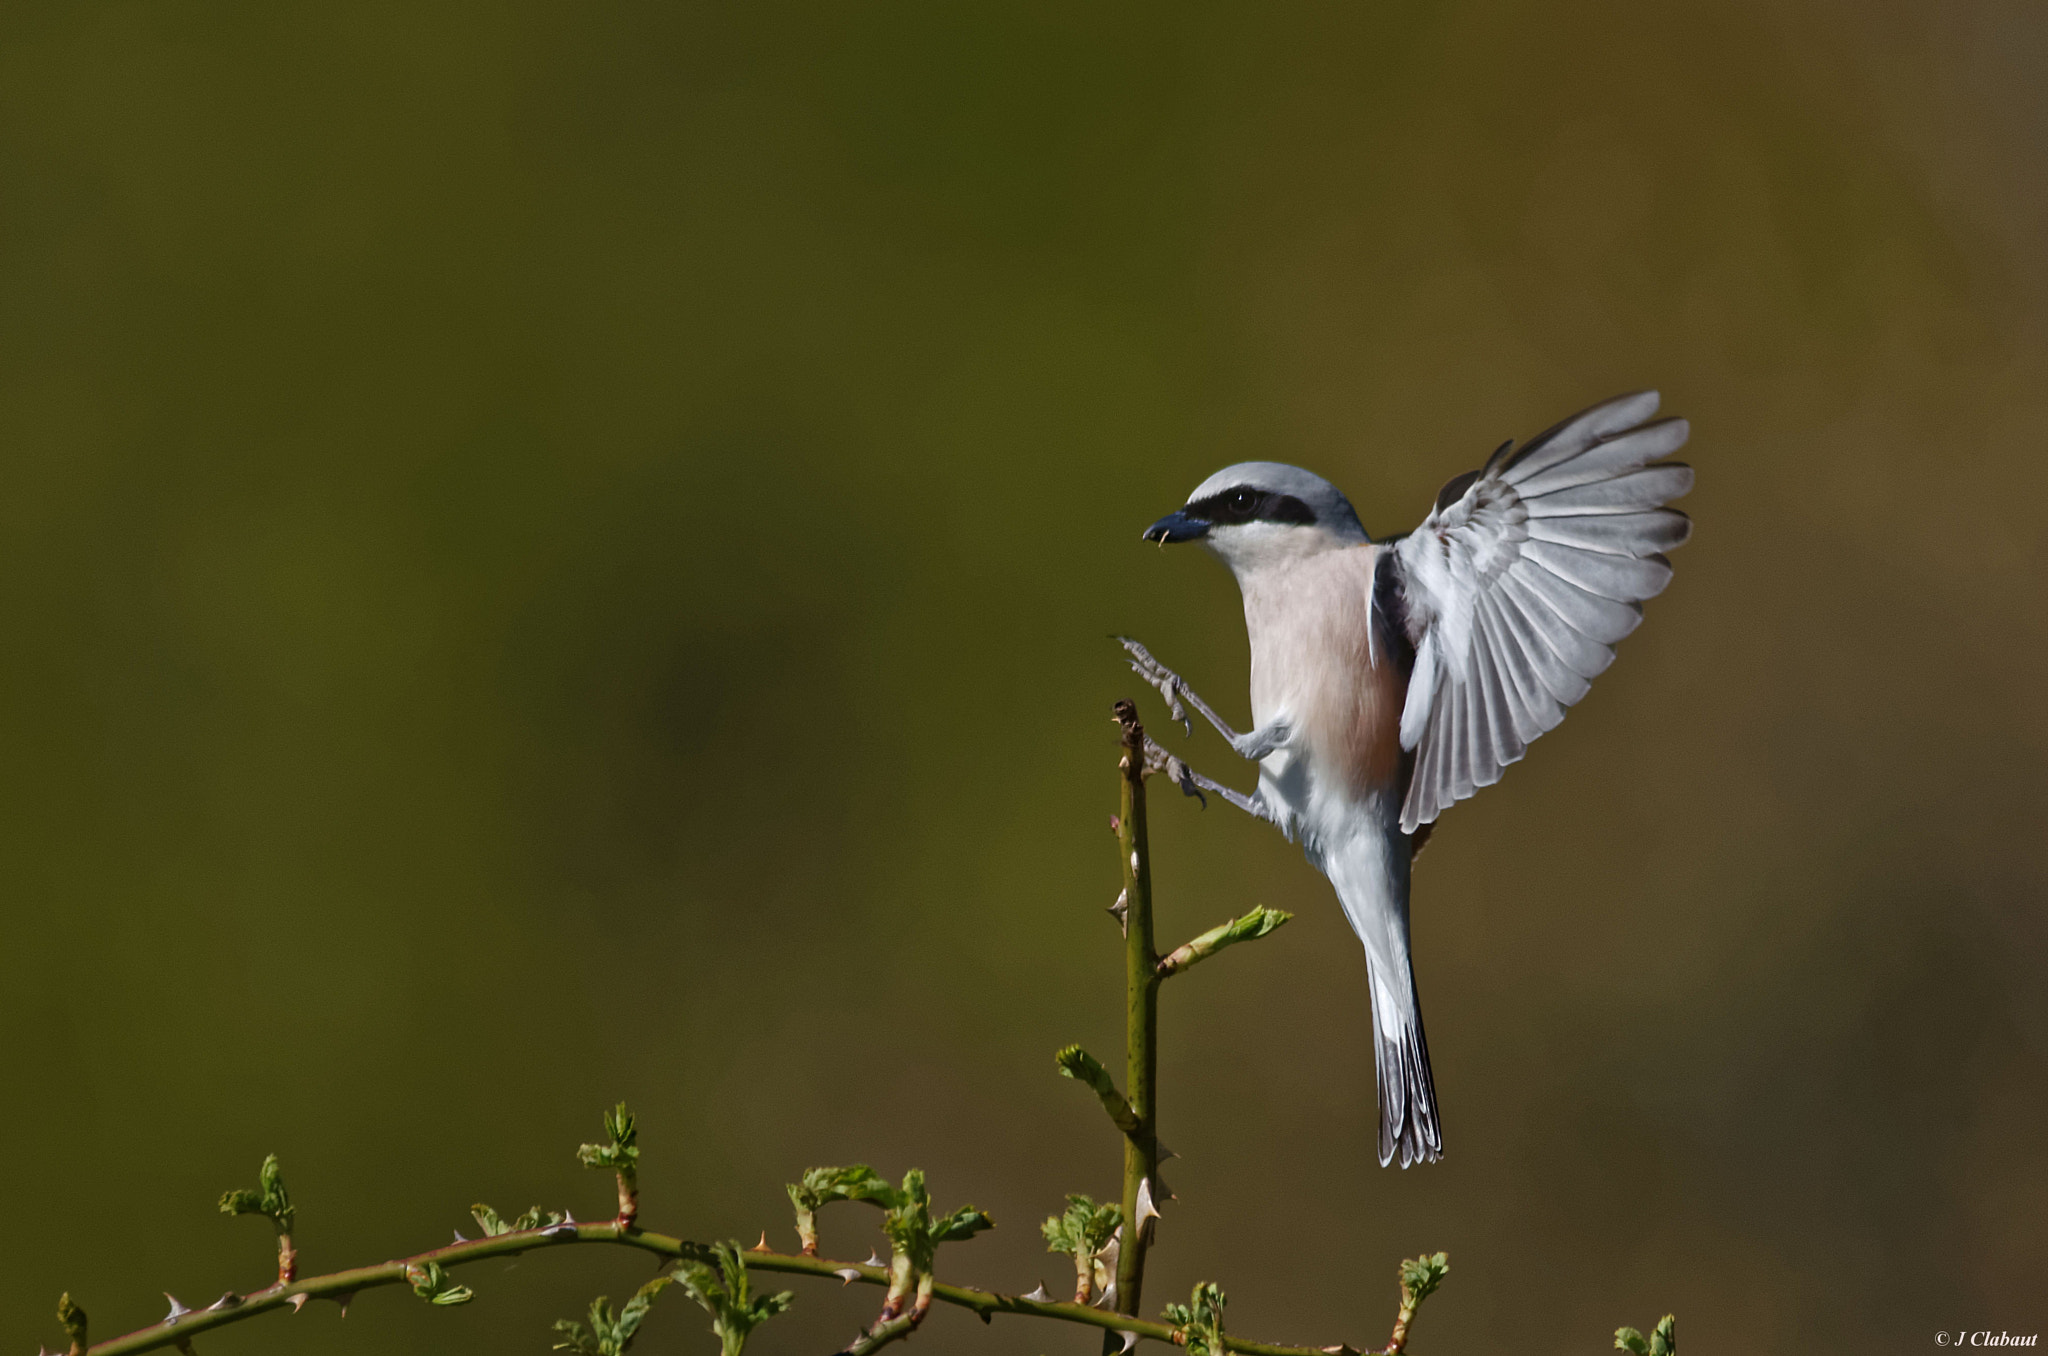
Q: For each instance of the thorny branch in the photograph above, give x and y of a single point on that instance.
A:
(343, 1286)
(1107, 1242)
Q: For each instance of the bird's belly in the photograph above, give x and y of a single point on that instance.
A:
(1318, 665)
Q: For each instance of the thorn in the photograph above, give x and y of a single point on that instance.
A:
(230, 1300)
(1039, 1294)
(762, 1246)
(459, 1238)
(559, 1231)
(1164, 1154)
(185, 1347)
(342, 1300)
(1108, 1299)
(1130, 1340)
(1121, 910)
(847, 1275)
(299, 1301)
(1134, 863)
(874, 1258)
(178, 1310)
(1146, 1209)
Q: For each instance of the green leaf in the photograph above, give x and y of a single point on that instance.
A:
(72, 1318)
(622, 1152)
(821, 1186)
(725, 1293)
(961, 1225)
(1078, 1064)
(1662, 1342)
(1200, 1322)
(1085, 1228)
(575, 1337)
(431, 1282)
(269, 1199)
(858, 1182)
(1256, 924)
(1420, 1276)
(489, 1221)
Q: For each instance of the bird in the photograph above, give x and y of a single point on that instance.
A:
(1391, 679)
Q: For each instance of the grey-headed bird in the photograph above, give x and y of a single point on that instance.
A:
(1391, 679)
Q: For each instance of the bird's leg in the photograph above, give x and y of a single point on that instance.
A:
(1193, 783)
(1255, 745)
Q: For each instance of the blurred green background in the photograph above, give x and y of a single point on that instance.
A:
(558, 552)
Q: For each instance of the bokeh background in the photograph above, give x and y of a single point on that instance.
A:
(556, 552)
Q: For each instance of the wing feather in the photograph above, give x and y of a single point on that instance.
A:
(1628, 493)
(1564, 441)
(1611, 458)
(1574, 658)
(1622, 578)
(1520, 581)
(1534, 709)
(1601, 619)
(1506, 747)
(1615, 534)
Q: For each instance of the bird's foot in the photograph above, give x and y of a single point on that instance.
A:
(1254, 746)
(1165, 679)
(1193, 783)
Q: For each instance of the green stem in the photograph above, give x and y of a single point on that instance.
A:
(1254, 925)
(1398, 1343)
(343, 1285)
(1141, 1008)
(879, 1336)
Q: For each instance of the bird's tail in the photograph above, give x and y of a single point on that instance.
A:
(1370, 873)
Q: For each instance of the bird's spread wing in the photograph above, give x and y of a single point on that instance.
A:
(1520, 580)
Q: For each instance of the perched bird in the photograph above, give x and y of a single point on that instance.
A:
(1391, 679)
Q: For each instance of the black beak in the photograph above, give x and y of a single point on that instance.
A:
(1177, 526)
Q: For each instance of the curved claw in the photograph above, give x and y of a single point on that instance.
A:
(1180, 774)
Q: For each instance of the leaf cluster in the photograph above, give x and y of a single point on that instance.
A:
(432, 1283)
(268, 1199)
(492, 1224)
(725, 1293)
(1200, 1321)
(908, 1220)
(1083, 1232)
(1079, 1065)
(821, 1186)
(1663, 1341)
(1420, 1276)
(912, 1229)
(622, 1152)
(1084, 1229)
(1082, 1067)
(73, 1319)
(609, 1334)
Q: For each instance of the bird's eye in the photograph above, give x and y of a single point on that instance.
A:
(1244, 501)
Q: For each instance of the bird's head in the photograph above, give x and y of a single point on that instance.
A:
(1259, 513)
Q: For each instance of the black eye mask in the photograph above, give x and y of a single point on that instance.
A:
(1247, 505)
